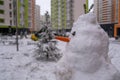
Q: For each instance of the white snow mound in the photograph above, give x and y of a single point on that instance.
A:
(86, 55)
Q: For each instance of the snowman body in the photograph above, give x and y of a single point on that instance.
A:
(86, 55)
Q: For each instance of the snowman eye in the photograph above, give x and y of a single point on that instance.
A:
(74, 33)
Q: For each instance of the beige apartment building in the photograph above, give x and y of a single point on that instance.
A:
(25, 10)
(75, 8)
(78, 8)
(6, 13)
(37, 18)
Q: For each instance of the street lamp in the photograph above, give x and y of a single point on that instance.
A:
(16, 11)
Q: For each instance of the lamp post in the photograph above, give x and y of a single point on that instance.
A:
(16, 11)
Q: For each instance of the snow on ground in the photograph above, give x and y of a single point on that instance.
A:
(22, 65)
(114, 53)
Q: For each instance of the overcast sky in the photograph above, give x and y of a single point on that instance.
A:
(45, 5)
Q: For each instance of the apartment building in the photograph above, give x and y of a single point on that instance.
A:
(54, 13)
(25, 15)
(105, 11)
(37, 18)
(108, 12)
(117, 17)
(31, 15)
(78, 8)
(6, 15)
(70, 16)
(58, 14)
(65, 12)
(75, 8)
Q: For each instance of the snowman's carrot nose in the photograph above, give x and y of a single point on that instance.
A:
(61, 38)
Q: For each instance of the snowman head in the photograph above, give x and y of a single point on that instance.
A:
(85, 21)
(87, 36)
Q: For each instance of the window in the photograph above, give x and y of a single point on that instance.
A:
(29, 10)
(1, 11)
(10, 22)
(10, 6)
(2, 20)
(10, 14)
(29, 17)
(1, 2)
(29, 24)
(29, 4)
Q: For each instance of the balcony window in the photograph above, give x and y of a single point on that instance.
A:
(1, 11)
(10, 14)
(10, 22)
(1, 2)
(2, 20)
(10, 6)
(29, 24)
(29, 17)
(29, 4)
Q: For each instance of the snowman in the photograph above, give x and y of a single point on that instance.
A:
(86, 54)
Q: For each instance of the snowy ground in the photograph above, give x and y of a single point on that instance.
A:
(114, 53)
(22, 65)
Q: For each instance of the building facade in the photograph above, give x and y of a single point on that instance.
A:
(22, 13)
(58, 14)
(31, 15)
(65, 12)
(78, 8)
(37, 18)
(70, 16)
(23, 9)
(117, 16)
(108, 12)
(6, 15)
(54, 14)
(75, 8)
(105, 10)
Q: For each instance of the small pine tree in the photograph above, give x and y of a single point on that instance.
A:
(46, 47)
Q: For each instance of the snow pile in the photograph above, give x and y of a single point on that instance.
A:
(22, 65)
(86, 55)
(114, 53)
